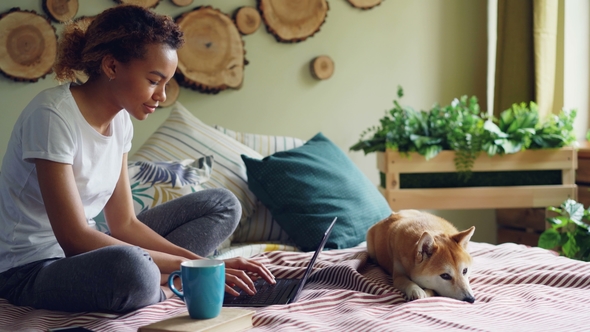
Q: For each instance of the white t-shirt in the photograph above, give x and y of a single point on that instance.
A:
(51, 127)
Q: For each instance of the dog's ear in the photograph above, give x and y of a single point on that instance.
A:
(425, 246)
(462, 238)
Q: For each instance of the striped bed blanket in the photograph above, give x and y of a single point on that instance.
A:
(517, 288)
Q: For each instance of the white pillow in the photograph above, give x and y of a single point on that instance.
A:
(262, 227)
(183, 136)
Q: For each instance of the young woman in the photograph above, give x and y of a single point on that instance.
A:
(67, 160)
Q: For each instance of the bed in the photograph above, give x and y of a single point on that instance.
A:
(517, 288)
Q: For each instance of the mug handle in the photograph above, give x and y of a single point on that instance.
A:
(171, 284)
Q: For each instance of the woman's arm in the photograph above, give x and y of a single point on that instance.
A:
(65, 211)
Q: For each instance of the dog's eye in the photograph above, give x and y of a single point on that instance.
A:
(464, 271)
(446, 276)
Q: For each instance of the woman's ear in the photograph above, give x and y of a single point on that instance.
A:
(109, 66)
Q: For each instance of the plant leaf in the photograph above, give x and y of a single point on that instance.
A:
(570, 248)
(549, 239)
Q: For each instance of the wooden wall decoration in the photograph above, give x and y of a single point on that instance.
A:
(141, 3)
(28, 45)
(212, 58)
(182, 3)
(61, 10)
(364, 4)
(293, 21)
(247, 20)
(322, 67)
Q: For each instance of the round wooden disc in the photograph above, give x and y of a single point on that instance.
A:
(322, 67)
(61, 10)
(182, 3)
(212, 58)
(141, 3)
(247, 20)
(172, 92)
(28, 45)
(293, 21)
(364, 4)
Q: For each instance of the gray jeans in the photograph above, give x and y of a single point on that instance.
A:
(124, 278)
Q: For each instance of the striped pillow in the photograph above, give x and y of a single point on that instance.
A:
(183, 136)
(262, 227)
(263, 144)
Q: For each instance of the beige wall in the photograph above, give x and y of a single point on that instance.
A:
(435, 49)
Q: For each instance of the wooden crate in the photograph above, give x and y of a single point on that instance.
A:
(392, 163)
(583, 174)
(521, 225)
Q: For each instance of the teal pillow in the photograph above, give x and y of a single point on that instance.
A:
(306, 187)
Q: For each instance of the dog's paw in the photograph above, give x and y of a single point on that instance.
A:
(414, 292)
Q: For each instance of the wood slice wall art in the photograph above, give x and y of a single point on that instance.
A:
(212, 58)
(182, 3)
(172, 92)
(61, 10)
(141, 3)
(322, 67)
(28, 45)
(247, 20)
(364, 4)
(293, 21)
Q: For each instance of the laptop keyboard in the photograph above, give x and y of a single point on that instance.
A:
(266, 293)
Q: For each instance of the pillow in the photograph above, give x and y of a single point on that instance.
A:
(183, 136)
(263, 144)
(155, 183)
(262, 227)
(306, 187)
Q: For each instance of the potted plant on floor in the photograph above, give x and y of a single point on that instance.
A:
(569, 233)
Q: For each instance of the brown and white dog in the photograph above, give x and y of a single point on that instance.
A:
(425, 255)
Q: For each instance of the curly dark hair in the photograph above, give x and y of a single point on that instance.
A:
(122, 31)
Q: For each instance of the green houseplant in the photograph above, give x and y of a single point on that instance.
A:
(569, 233)
(462, 126)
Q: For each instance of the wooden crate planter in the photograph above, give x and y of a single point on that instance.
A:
(393, 164)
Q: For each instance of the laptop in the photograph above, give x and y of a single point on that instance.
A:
(283, 292)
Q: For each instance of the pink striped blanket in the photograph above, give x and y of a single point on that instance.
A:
(517, 288)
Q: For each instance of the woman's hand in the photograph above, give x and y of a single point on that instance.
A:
(236, 274)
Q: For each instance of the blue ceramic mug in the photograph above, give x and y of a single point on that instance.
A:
(203, 286)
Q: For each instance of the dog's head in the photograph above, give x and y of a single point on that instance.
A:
(443, 264)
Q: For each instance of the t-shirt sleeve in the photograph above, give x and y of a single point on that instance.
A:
(45, 135)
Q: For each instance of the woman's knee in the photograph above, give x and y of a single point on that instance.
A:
(230, 202)
(137, 279)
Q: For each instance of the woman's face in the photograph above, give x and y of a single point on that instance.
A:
(140, 84)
